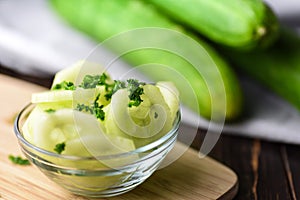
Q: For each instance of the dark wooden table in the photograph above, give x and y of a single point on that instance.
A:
(266, 170)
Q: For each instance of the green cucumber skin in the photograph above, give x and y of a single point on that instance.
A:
(277, 68)
(106, 18)
(241, 24)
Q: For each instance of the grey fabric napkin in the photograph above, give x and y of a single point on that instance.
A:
(34, 40)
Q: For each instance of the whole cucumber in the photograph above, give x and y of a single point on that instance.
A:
(241, 24)
(107, 18)
(278, 67)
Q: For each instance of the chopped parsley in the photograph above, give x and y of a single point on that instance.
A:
(94, 109)
(133, 85)
(98, 109)
(118, 85)
(91, 81)
(134, 88)
(113, 88)
(50, 110)
(60, 147)
(135, 92)
(85, 108)
(65, 85)
(18, 160)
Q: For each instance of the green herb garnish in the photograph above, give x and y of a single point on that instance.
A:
(91, 81)
(50, 110)
(98, 109)
(65, 85)
(135, 92)
(113, 88)
(18, 160)
(60, 147)
(133, 85)
(94, 109)
(85, 108)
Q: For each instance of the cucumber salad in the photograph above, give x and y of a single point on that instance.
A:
(90, 114)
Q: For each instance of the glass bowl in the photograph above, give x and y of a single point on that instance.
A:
(88, 176)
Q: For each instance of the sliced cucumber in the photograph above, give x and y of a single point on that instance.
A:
(154, 120)
(88, 96)
(49, 128)
(81, 132)
(76, 72)
(111, 127)
(87, 146)
(28, 126)
(69, 98)
(68, 74)
(141, 111)
(57, 119)
(52, 96)
(171, 96)
(120, 111)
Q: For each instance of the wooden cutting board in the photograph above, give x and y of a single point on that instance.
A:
(189, 177)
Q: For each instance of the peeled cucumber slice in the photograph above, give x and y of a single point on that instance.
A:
(81, 132)
(120, 112)
(77, 71)
(157, 98)
(88, 96)
(52, 96)
(28, 126)
(153, 121)
(141, 111)
(68, 74)
(87, 146)
(70, 98)
(171, 96)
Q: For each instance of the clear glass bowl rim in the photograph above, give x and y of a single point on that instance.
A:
(106, 157)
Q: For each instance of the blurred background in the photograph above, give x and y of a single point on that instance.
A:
(34, 40)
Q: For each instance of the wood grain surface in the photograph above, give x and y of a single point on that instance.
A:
(266, 170)
(189, 177)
